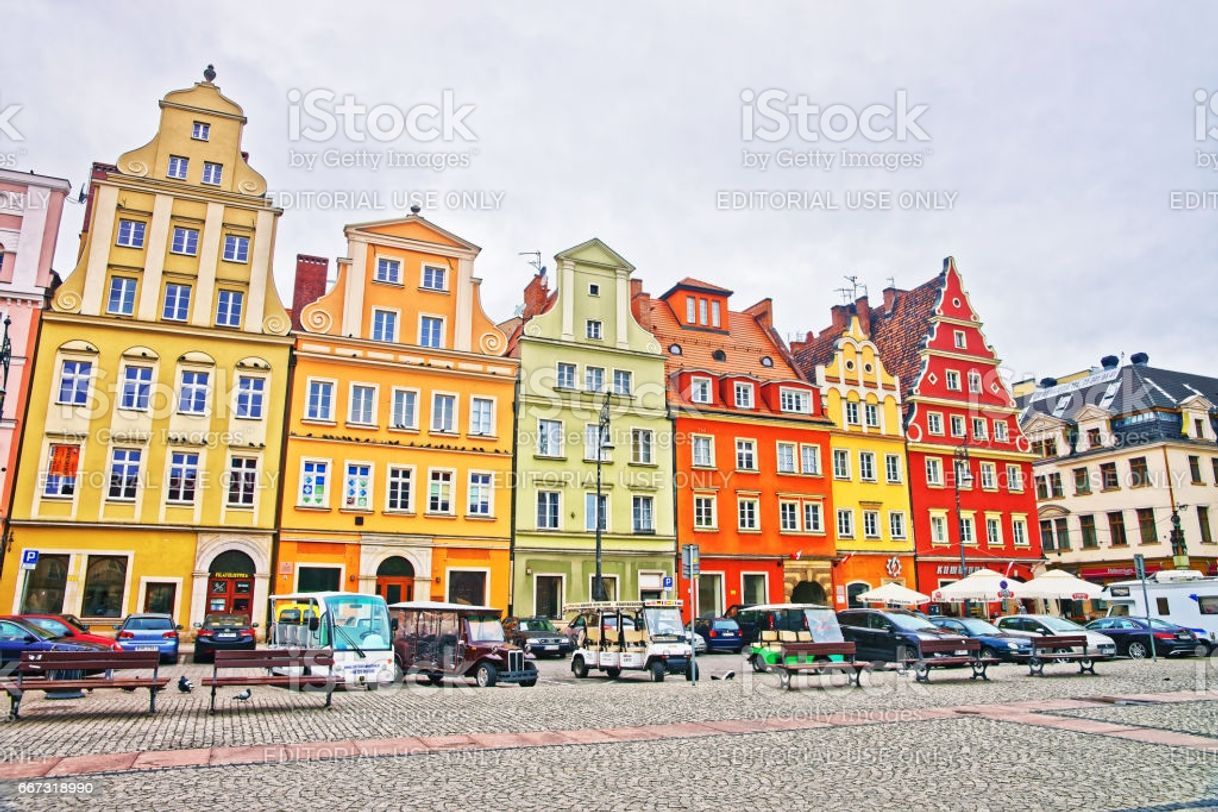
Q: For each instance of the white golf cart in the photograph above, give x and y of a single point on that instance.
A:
(617, 636)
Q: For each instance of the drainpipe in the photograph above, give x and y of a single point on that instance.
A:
(276, 536)
(676, 542)
(511, 607)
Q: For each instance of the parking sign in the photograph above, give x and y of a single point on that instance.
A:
(29, 559)
(668, 582)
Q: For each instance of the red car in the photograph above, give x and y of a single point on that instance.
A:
(69, 629)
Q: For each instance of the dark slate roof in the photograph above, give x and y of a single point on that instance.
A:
(818, 351)
(1124, 390)
(900, 334)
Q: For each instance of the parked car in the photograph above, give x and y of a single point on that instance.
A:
(1037, 625)
(720, 634)
(1133, 636)
(68, 629)
(538, 636)
(224, 632)
(994, 641)
(633, 636)
(18, 635)
(698, 642)
(150, 632)
(438, 640)
(890, 635)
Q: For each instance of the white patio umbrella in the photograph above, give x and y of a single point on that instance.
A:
(894, 593)
(981, 585)
(1060, 584)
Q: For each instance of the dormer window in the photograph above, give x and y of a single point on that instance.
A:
(702, 311)
(715, 318)
(795, 400)
(691, 305)
(201, 131)
(1094, 438)
(744, 395)
(700, 390)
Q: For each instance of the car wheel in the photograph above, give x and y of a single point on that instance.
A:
(399, 674)
(578, 667)
(906, 653)
(486, 675)
(657, 671)
(691, 672)
(1137, 649)
(435, 679)
(987, 653)
(532, 680)
(613, 673)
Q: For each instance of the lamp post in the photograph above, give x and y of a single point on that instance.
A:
(961, 475)
(6, 361)
(602, 430)
(1179, 549)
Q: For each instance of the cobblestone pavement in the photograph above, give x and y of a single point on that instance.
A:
(953, 744)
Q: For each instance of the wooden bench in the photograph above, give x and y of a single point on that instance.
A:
(1060, 649)
(51, 671)
(942, 654)
(813, 658)
(299, 660)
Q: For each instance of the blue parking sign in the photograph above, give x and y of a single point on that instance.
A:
(29, 559)
(668, 582)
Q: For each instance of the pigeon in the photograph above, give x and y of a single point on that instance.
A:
(185, 685)
(244, 695)
(728, 676)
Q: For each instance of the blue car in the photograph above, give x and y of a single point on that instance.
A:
(150, 632)
(994, 641)
(1133, 636)
(720, 634)
(17, 636)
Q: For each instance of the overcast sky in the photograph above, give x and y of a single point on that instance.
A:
(1048, 137)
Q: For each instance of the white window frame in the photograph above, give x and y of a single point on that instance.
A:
(374, 404)
(434, 413)
(371, 488)
(490, 495)
(742, 395)
(700, 389)
(328, 482)
(412, 479)
(431, 266)
(384, 264)
(333, 387)
(394, 316)
(443, 330)
(594, 330)
(394, 394)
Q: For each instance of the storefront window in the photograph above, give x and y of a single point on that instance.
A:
(159, 598)
(318, 579)
(754, 588)
(468, 588)
(45, 587)
(105, 580)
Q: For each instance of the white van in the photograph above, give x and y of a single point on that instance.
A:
(1184, 597)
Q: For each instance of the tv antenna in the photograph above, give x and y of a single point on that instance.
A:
(535, 260)
(851, 294)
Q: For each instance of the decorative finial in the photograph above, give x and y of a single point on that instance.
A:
(209, 75)
(416, 208)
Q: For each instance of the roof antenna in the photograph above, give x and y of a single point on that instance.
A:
(892, 282)
(535, 261)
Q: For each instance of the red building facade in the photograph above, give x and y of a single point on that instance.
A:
(751, 442)
(963, 436)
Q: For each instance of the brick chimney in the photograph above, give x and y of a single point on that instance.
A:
(797, 346)
(310, 284)
(640, 304)
(535, 295)
(862, 309)
(841, 316)
(891, 297)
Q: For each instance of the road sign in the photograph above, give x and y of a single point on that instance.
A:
(1139, 565)
(29, 559)
(668, 582)
(690, 563)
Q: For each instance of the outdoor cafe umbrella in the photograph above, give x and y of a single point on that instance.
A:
(981, 585)
(1060, 584)
(894, 593)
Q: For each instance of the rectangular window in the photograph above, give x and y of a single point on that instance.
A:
(596, 511)
(716, 317)
(121, 301)
(444, 413)
(592, 329)
(177, 303)
(1000, 431)
(934, 471)
(594, 379)
(704, 451)
(957, 425)
(702, 311)
(105, 586)
(212, 173)
(1055, 485)
(959, 338)
(938, 529)
(362, 410)
(640, 446)
(314, 483)
(809, 459)
(228, 308)
(968, 534)
(871, 524)
(746, 455)
(814, 520)
(566, 376)
(1214, 465)
(481, 417)
(1146, 526)
(192, 397)
(1082, 481)
(704, 512)
(974, 381)
(892, 467)
(989, 476)
(431, 332)
(852, 413)
(871, 414)
(201, 131)
(1139, 474)
(867, 466)
(185, 241)
(1062, 531)
(1116, 529)
(786, 458)
(794, 400)
(746, 514)
(690, 304)
(643, 514)
(547, 510)
(953, 380)
(178, 166)
(1086, 525)
(1108, 476)
(788, 517)
(242, 481)
(400, 494)
(1014, 478)
(357, 487)
(841, 463)
(595, 440)
(549, 438)
(979, 428)
(388, 270)
(250, 390)
(1194, 469)
(137, 385)
(480, 494)
(124, 473)
(405, 409)
(131, 233)
(1203, 522)
(384, 326)
(433, 277)
(934, 422)
(183, 477)
(1019, 532)
(744, 395)
(700, 390)
(321, 401)
(1042, 487)
(993, 531)
(845, 523)
(622, 379)
(440, 492)
(896, 524)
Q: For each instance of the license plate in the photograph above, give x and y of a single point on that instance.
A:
(1181, 636)
(962, 653)
(549, 648)
(145, 648)
(227, 636)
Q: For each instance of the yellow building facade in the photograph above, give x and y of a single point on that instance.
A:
(399, 451)
(150, 456)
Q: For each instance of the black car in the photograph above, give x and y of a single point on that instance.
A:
(223, 631)
(538, 636)
(1133, 636)
(889, 635)
(994, 641)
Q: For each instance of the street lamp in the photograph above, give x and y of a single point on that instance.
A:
(1179, 549)
(962, 476)
(6, 361)
(602, 444)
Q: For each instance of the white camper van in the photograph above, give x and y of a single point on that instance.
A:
(1184, 597)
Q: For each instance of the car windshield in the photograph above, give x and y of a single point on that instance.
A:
(36, 631)
(1155, 623)
(46, 624)
(148, 624)
(1060, 624)
(911, 623)
(663, 621)
(823, 625)
(975, 625)
(536, 625)
(361, 622)
(725, 625)
(485, 630)
(220, 621)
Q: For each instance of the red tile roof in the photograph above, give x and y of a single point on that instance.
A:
(690, 282)
(901, 332)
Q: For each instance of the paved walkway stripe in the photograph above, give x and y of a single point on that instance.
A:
(1036, 713)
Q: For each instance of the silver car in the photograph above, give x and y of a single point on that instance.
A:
(1040, 625)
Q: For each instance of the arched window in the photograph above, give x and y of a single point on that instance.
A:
(105, 580)
(395, 566)
(852, 594)
(232, 562)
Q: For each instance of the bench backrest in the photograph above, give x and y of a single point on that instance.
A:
(817, 649)
(769, 636)
(1059, 641)
(275, 658)
(34, 663)
(786, 636)
(936, 646)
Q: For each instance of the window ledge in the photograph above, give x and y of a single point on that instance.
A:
(354, 425)
(432, 515)
(552, 457)
(478, 517)
(314, 508)
(317, 421)
(404, 429)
